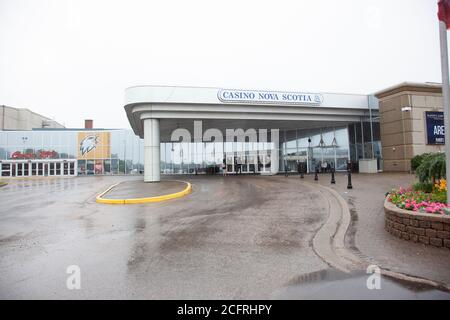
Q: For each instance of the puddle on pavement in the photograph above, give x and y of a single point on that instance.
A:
(334, 284)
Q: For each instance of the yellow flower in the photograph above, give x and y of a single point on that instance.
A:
(442, 185)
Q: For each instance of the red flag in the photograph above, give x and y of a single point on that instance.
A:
(444, 12)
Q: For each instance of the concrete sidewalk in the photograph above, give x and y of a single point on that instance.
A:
(367, 236)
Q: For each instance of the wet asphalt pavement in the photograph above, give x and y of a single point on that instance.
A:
(232, 238)
(334, 284)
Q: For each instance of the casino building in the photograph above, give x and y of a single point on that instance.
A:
(320, 130)
(193, 130)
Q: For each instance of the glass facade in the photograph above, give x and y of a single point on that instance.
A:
(210, 157)
(120, 151)
(324, 149)
(362, 146)
(96, 151)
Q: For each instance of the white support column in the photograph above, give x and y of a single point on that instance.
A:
(274, 154)
(151, 150)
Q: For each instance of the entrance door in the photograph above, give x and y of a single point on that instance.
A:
(230, 164)
(6, 169)
(19, 169)
(242, 164)
(65, 171)
(252, 163)
(58, 168)
(264, 163)
(52, 166)
(323, 159)
(40, 169)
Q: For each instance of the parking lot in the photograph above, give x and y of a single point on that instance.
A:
(246, 237)
(233, 237)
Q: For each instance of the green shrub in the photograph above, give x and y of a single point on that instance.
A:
(439, 196)
(417, 160)
(423, 186)
(432, 168)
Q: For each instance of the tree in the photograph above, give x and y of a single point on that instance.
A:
(432, 168)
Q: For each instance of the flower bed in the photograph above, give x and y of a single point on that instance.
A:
(419, 214)
(421, 201)
(427, 228)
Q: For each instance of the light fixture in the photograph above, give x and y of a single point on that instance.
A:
(334, 142)
(321, 143)
(406, 109)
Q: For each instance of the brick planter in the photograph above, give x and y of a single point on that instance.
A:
(419, 227)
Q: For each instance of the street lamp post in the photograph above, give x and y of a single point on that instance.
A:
(446, 96)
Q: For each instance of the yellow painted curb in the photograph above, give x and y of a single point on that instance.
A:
(164, 197)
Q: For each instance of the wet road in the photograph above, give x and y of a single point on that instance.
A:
(233, 237)
(334, 284)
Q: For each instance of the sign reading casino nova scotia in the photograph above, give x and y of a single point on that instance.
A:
(269, 97)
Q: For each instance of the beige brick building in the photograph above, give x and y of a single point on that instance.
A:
(402, 122)
(24, 119)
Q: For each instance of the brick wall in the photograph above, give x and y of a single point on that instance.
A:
(424, 228)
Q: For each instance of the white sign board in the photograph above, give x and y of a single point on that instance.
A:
(269, 97)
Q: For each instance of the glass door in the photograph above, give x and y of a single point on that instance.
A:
(323, 159)
(45, 169)
(19, 170)
(52, 167)
(6, 169)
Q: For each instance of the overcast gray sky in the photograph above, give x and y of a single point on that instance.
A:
(72, 59)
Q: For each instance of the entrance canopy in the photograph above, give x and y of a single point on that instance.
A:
(176, 107)
(155, 112)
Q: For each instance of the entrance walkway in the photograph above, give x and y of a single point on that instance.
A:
(368, 236)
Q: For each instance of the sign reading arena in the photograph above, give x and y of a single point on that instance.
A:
(435, 127)
(269, 97)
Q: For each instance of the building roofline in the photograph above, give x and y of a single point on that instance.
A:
(35, 113)
(256, 89)
(430, 87)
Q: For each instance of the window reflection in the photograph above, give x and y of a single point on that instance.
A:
(121, 151)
